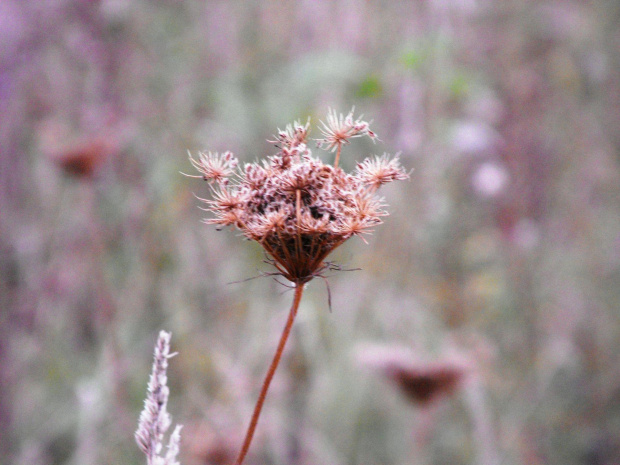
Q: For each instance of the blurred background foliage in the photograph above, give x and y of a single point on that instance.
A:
(502, 252)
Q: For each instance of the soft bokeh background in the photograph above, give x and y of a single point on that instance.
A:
(502, 252)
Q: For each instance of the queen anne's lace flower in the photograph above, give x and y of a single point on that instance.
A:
(297, 207)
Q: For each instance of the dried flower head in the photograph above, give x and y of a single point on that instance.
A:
(296, 207)
(83, 159)
(420, 381)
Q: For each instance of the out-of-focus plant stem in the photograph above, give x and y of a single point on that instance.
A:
(337, 159)
(299, 288)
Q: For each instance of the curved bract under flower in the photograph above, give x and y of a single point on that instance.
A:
(297, 207)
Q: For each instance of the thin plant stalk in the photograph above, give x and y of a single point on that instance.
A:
(299, 288)
(337, 159)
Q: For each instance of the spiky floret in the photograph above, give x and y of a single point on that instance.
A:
(338, 129)
(215, 167)
(376, 171)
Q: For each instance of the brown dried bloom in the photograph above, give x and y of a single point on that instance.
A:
(83, 159)
(297, 207)
(422, 382)
(425, 384)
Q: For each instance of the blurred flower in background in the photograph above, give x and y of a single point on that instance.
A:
(489, 179)
(422, 382)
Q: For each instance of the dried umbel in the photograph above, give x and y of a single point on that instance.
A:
(422, 382)
(297, 207)
(82, 160)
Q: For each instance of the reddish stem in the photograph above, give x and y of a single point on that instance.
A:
(272, 369)
(337, 155)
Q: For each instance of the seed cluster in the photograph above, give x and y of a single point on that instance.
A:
(297, 207)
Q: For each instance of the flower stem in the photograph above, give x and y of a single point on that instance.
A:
(299, 288)
(337, 155)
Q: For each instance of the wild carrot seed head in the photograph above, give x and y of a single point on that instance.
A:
(297, 207)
